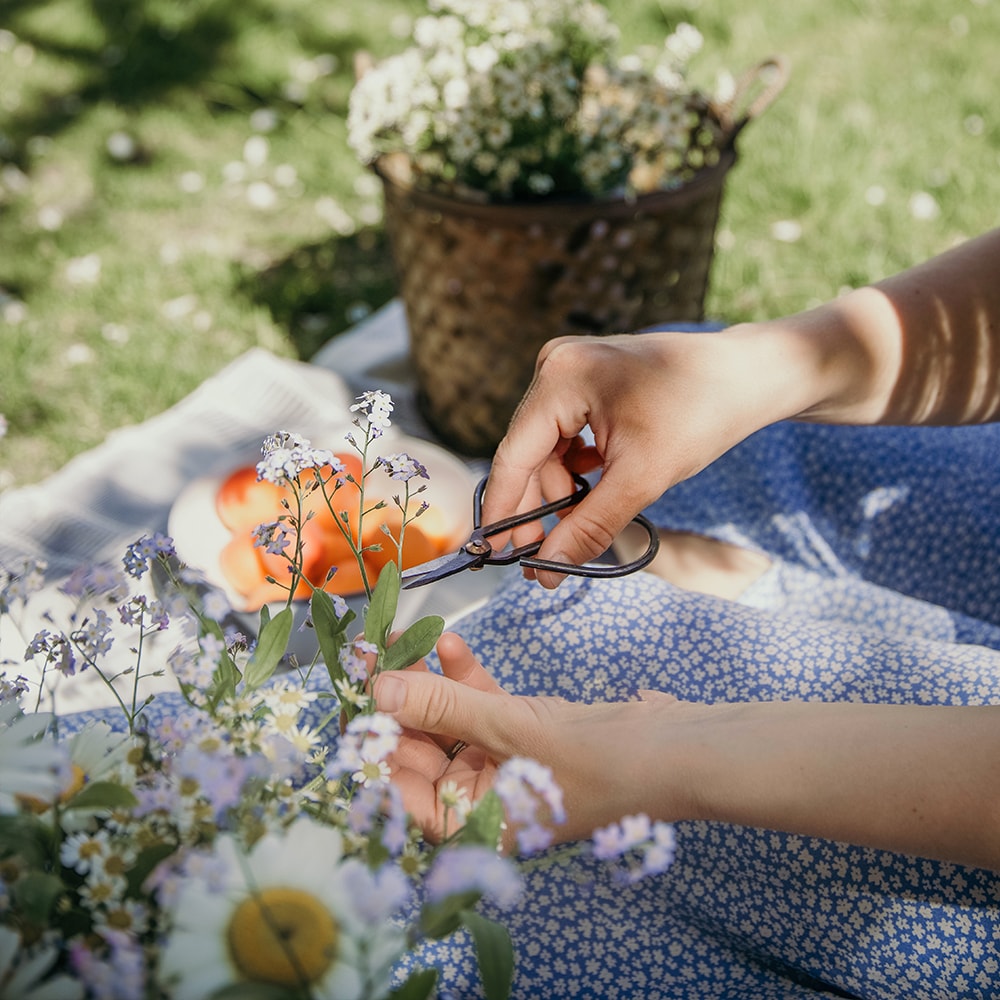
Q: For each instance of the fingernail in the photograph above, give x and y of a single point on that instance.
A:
(390, 693)
(549, 579)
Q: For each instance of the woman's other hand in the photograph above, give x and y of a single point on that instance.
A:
(598, 753)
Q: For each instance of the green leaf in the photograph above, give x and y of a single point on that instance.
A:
(35, 895)
(444, 917)
(419, 986)
(224, 680)
(417, 641)
(484, 822)
(102, 795)
(382, 609)
(331, 632)
(26, 837)
(271, 646)
(494, 952)
(144, 864)
(254, 991)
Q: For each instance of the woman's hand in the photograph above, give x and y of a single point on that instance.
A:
(605, 757)
(661, 406)
(911, 778)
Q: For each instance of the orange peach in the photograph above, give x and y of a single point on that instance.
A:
(240, 562)
(243, 501)
(419, 545)
(269, 593)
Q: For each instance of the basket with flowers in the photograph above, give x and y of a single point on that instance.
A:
(539, 183)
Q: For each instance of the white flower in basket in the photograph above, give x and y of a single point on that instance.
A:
(523, 99)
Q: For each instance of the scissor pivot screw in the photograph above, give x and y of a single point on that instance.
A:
(478, 547)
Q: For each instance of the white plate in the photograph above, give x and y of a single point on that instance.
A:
(199, 536)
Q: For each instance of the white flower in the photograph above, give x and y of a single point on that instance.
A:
(97, 752)
(23, 973)
(373, 409)
(286, 455)
(282, 916)
(372, 772)
(85, 851)
(536, 66)
(30, 760)
(455, 800)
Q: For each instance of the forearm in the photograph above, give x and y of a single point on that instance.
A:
(916, 779)
(922, 347)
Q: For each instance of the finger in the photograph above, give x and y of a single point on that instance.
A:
(422, 753)
(543, 422)
(586, 532)
(440, 706)
(556, 476)
(459, 663)
(419, 799)
(646, 694)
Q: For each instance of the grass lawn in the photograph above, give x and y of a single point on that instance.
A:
(176, 187)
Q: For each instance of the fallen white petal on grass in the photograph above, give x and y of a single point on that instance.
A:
(924, 206)
(875, 195)
(84, 270)
(787, 230)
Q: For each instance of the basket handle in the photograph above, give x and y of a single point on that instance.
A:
(754, 93)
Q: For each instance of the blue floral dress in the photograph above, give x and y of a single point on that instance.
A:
(883, 587)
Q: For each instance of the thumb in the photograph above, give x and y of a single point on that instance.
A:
(434, 704)
(586, 532)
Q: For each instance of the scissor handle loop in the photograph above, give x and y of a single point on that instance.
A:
(523, 554)
(605, 570)
(516, 520)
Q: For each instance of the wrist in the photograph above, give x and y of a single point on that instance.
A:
(836, 363)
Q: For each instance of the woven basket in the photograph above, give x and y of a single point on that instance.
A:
(485, 285)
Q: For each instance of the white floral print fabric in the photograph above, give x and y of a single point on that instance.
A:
(884, 587)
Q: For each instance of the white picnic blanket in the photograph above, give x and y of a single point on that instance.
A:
(102, 500)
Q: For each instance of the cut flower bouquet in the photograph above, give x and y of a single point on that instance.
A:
(526, 99)
(242, 837)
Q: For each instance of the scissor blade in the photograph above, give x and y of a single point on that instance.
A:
(438, 569)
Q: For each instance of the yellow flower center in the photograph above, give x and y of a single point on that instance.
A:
(372, 770)
(77, 779)
(283, 936)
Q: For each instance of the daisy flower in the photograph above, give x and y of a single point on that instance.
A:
(31, 764)
(24, 974)
(282, 916)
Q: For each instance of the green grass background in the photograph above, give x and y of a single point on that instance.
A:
(203, 254)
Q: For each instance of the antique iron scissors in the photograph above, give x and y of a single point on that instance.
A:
(478, 551)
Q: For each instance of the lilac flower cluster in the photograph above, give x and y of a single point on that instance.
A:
(474, 868)
(95, 581)
(353, 659)
(16, 586)
(272, 536)
(378, 895)
(93, 638)
(532, 802)
(286, 455)
(380, 804)
(653, 843)
(402, 467)
(56, 649)
(139, 610)
(118, 972)
(139, 554)
(373, 409)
